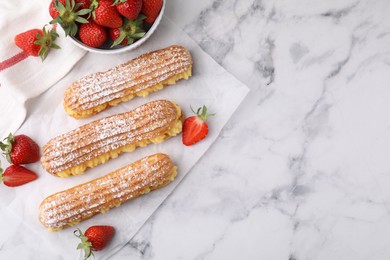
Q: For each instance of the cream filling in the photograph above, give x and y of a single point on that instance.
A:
(146, 190)
(143, 93)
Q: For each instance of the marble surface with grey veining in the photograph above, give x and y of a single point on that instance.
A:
(302, 170)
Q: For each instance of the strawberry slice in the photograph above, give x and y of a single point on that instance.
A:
(16, 175)
(195, 128)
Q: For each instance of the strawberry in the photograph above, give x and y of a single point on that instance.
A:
(37, 42)
(195, 128)
(115, 34)
(52, 10)
(129, 8)
(151, 8)
(128, 32)
(105, 14)
(16, 175)
(84, 4)
(20, 149)
(95, 238)
(68, 12)
(92, 34)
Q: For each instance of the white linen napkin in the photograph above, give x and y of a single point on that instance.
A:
(29, 77)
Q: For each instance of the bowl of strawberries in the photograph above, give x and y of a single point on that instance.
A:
(107, 26)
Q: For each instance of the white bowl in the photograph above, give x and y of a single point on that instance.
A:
(120, 48)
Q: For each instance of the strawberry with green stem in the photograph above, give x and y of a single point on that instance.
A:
(195, 128)
(84, 4)
(37, 42)
(20, 149)
(104, 13)
(68, 15)
(128, 32)
(95, 238)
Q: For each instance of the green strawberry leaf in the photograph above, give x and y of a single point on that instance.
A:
(81, 20)
(137, 35)
(84, 244)
(59, 6)
(118, 40)
(83, 12)
(55, 46)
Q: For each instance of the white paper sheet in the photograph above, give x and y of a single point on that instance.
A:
(210, 85)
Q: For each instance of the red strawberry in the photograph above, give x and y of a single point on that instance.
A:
(129, 8)
(105, 14)
(16, 175)
(52, 10)
(95, 238)
(92, 34)
(20, 149)
(83, 4)
(37, 42)
(114, 34)
(151, 8)
(26, 40)
(195, 128)
(68, 12)
(126, 34)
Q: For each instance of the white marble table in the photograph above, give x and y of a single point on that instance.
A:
(301, 171)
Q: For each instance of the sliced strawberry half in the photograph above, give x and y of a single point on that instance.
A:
(16, 175)
(195, 128)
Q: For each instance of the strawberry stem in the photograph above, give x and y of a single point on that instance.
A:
(132, 30)
(46, 42)
(85, 244)
(117, 2)
(1, 173)
(68, 16)
(202, 112)
(92, 7)
(6, 146)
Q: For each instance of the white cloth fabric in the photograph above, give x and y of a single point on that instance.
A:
(30, 77)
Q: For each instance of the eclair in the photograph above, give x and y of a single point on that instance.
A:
(141, 76)
(69, 207)
(98, 141)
